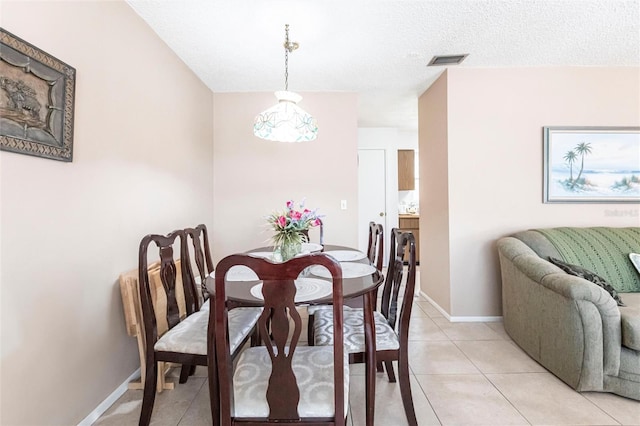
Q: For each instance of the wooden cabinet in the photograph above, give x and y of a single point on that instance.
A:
(411, 223)
(406, 170)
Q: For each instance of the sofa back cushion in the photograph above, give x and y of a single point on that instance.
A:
(538, 243)
(603, 250)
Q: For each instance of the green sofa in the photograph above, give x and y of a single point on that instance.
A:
(571, 326)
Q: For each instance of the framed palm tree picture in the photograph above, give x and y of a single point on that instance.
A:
(591, 165)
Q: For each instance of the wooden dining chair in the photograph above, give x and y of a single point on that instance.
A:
(392, 324)
(375, 253)
(280, 382)
(175, 330)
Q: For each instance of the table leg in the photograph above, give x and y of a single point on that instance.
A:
(370, 359)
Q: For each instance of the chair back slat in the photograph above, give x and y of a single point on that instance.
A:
(201, 255)
(168, 277)
(395, 274)
(159, 296)
(274, 325)
(280, 327)
(408, 240)
(375, 247)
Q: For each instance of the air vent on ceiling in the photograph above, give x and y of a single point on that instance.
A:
(446, 60)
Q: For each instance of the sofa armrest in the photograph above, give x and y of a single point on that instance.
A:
(570, 325)
(576, 288)
(555, 279)
(599, 313)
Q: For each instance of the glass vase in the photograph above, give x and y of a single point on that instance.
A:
(290, 249)
(287, 245)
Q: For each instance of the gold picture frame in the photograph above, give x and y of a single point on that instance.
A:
(37, 94)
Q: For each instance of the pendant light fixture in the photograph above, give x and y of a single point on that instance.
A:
(286, 121)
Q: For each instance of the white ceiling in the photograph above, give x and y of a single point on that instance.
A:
(380, 48)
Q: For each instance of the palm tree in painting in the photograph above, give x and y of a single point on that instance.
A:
(570, 157)
(583, 149)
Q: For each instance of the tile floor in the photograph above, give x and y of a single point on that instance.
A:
(462, 374)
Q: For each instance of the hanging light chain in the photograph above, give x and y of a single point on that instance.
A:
(286, 57)
(289, 46)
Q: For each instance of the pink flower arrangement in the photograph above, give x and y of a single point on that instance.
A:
(289, 224)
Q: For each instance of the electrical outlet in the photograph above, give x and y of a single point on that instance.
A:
(343, 204)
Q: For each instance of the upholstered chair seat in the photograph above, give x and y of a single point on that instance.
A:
(190, 335)
(312, 309)
(313, 368)
(386, 337)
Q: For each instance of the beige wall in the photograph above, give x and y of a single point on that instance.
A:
(142, 163)
(494, 121)
(434, 195)
(253, 177)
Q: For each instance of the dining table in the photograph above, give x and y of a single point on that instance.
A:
(360, 279)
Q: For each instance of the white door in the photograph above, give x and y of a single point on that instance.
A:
(371, 193)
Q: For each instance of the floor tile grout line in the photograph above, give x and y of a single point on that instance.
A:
(545, 373)
(594, 404)
(488, 380)
(195, 397)
(511, 403)
(413, 372)
(599, 408)
(433, 409)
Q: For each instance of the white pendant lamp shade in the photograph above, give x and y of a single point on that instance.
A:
(286, 121)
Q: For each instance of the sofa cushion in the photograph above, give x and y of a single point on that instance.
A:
(630, 323)
(584, 273)
(603, 250)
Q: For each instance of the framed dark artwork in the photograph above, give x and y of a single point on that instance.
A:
(591, 164)
(37, 93)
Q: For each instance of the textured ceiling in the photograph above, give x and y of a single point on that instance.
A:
(380, 48)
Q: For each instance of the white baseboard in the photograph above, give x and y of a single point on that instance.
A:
(459, 319)
(108, 402)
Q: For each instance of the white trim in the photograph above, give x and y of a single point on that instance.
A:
(442, 311)
(109, 401)
(459, 319)
(475, 319)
